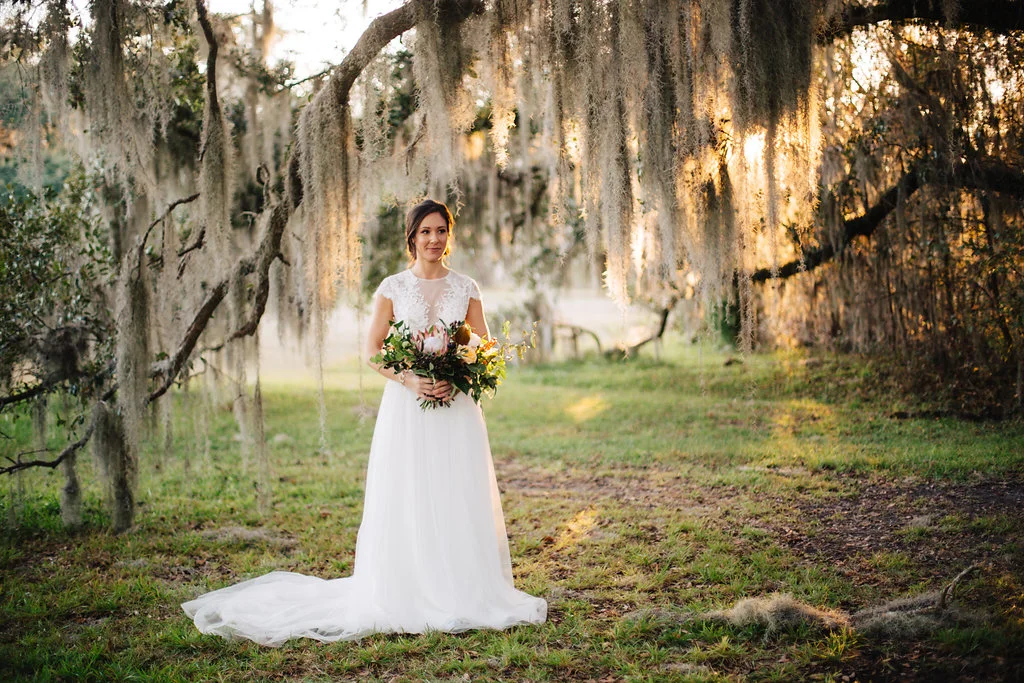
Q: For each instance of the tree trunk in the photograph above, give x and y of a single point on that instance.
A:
(1020, 382)
(71, 494)
(117, 464)
(539, 308)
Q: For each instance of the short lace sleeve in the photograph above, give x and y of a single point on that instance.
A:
(386, 288)
(473, 289)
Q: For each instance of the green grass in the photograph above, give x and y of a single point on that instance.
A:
(680, 485)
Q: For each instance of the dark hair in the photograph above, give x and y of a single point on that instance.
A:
(415, 217)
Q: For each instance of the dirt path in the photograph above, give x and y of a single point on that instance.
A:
(941, 525)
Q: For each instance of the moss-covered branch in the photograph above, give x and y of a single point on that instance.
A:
(211, 59)
(269, 250)
(998, 16)
(375, 38)
(986, 175)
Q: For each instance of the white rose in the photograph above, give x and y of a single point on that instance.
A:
(474, 341)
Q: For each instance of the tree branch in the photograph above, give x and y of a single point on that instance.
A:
(197, 243)
(259, 263)
(984, 175)
(52, 380)
(947, 592)
(630, 351)
(269, 250)
(862, 225)
(292, 84)
(65, 454)
(378, 34)
(998, 16)
(375, 38)
(386, 28)
(211, 62)
(25, 395)
(170, 368)
(171, 207)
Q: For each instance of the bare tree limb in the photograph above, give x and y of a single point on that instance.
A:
(25, 395)
(378, 34)
(863, 225)
(171, 207)
(375, 38)
(662, 325)
(630, 351)
(576, 331)
(197, 243)
(411, 147)
(170, 368)
(64, 454)
(51, 381)
(947, 592)
(320, 74)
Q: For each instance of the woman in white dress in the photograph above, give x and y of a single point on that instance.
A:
(432, 553)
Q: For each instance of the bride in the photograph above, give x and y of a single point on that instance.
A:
(431, 554)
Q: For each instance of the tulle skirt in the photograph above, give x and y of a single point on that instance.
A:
(431, 555)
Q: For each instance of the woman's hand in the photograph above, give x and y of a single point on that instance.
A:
(428, 388)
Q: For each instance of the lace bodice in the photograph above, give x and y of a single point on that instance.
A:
(420, 303)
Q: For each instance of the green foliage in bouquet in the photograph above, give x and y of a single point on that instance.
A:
(452, 353)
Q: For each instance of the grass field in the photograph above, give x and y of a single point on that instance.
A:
(639, 497)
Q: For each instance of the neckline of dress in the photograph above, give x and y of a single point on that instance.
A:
(429, 279)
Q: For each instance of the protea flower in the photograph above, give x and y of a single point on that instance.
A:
(433, 341)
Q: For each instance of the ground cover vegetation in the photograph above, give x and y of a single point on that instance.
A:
(645, 501)
(812, 172)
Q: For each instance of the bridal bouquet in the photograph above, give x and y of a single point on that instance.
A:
(452, 353)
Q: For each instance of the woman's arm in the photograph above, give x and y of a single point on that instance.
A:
(380, 323)
(475, 317)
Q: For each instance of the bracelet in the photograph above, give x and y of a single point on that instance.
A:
(402, 376)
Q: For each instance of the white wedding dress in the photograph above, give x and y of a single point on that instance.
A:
(432, 553)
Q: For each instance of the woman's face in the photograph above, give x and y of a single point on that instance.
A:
(431, 238)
